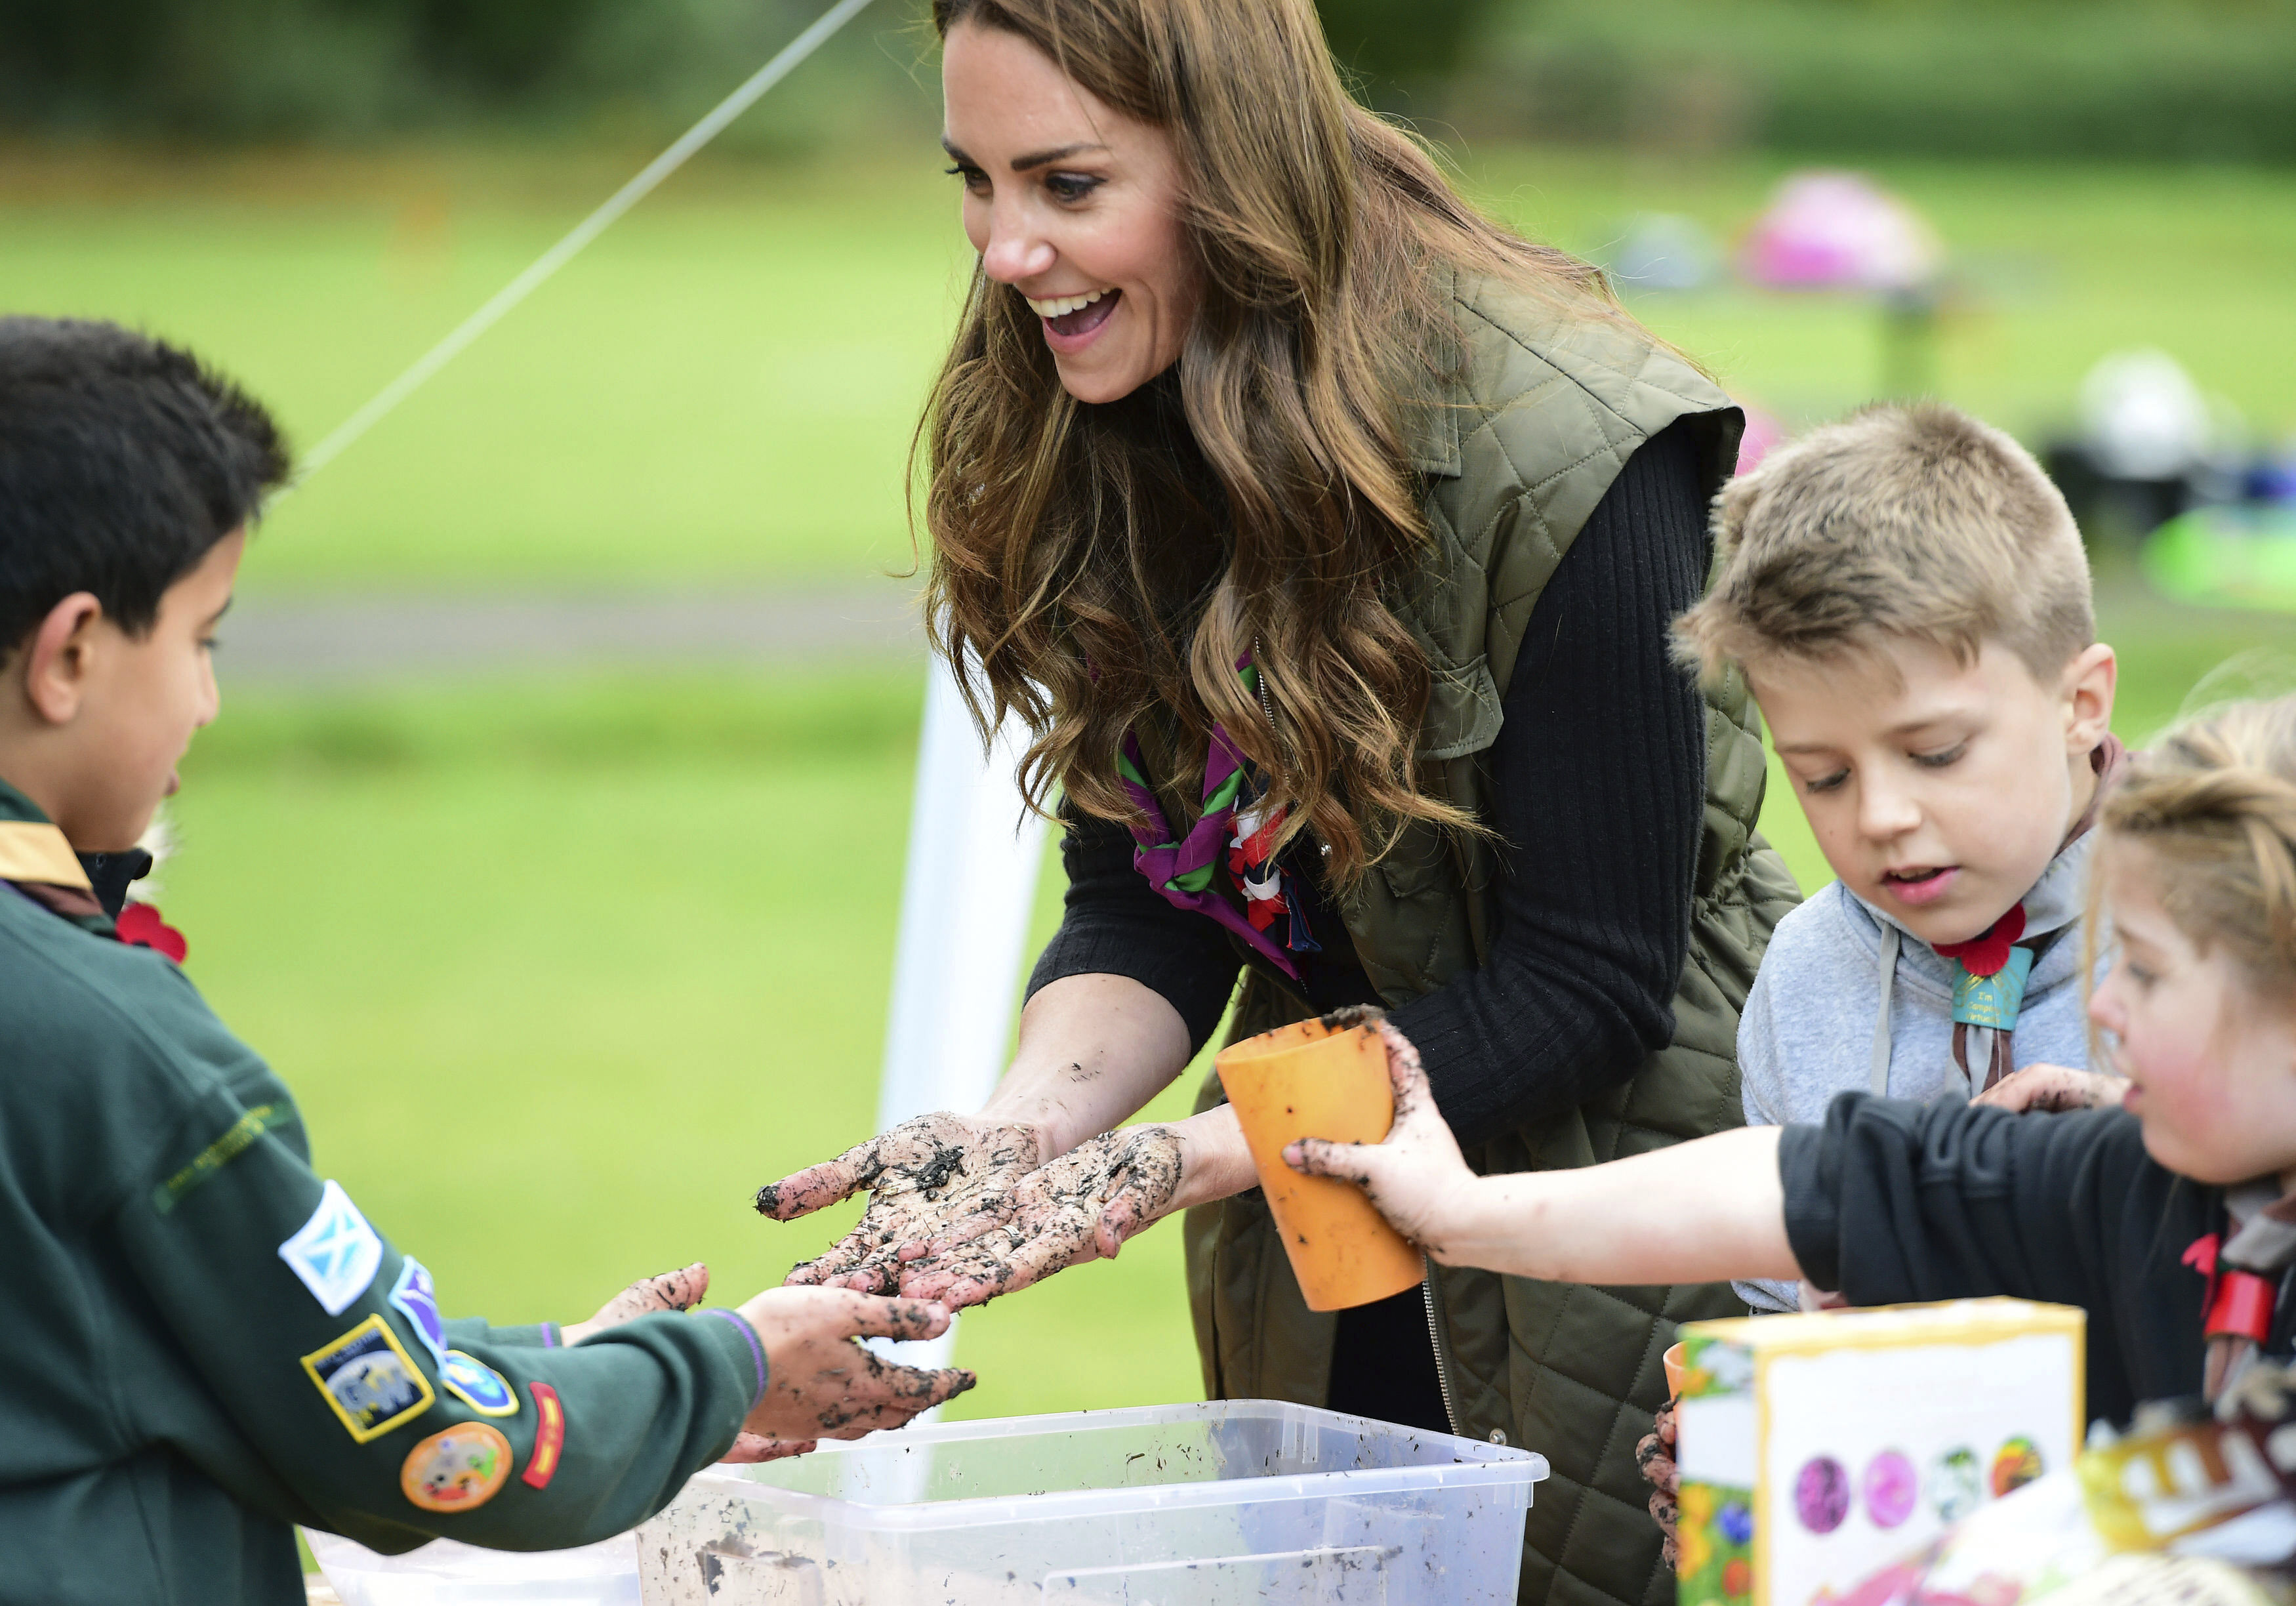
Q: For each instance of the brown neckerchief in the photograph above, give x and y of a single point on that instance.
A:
(2106, 760)
(73, 903)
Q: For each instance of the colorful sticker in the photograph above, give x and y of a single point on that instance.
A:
(1890, 1487)
(416, 1297)
(477, 1385)
(457, 1470)
(1712, 1366)
(335, 1253)
(236, 1140)
(1714, 1527)
(549, 1437)
(371, 1384)
(1821, 1493)
(2015, 1464)
(1993, 1000)
(1954, 1487)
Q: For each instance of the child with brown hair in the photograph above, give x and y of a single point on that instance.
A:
(2172, 1218)
(1909, 600)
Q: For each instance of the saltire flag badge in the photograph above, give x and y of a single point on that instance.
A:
(414, 1297)
(477, 1385)
(549, 1437)
(335, 1252)
(370, 1381)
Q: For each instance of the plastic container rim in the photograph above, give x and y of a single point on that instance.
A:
(1477, 1465)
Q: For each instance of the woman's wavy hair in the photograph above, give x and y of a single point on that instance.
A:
(1091, 564)
(2214, 804)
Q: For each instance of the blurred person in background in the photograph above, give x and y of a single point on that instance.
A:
(1327, 537)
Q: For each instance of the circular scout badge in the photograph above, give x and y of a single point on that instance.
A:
(1821, 1493)
(1892, 1485)
(1954, 1487)
(458, 1469)
(477, 1385)
(2015, 1464)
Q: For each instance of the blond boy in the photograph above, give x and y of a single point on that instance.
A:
(1907, 597)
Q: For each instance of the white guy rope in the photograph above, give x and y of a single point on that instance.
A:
(596, 224)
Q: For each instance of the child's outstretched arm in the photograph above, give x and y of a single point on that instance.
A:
(1697, 1212)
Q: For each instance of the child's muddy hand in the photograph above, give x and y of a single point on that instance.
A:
(751, 1448)
(821, 1384)
(681, 1290)
(1410, 1174)
(2054, 1088)
(1654, 1455)
(924, 1176)
(1080, 1206)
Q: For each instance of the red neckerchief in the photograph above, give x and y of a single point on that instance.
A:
(1985, 953)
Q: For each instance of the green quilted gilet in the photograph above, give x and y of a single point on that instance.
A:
(1547, 412)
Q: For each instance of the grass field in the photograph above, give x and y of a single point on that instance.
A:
(725, 384)
(563, 971)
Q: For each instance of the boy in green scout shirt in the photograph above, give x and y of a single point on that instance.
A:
(205, 1341)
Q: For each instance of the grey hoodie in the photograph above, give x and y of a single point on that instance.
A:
(1811, 1026)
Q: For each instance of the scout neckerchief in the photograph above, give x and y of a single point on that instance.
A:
(1991, 970)
(2247, 1274)
(37, 860)
(1183, 870)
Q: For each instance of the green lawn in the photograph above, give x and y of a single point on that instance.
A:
(724, 387)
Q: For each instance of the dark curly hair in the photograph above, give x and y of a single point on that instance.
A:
(123, 460)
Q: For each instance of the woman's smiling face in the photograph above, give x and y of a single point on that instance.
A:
(1074, 205)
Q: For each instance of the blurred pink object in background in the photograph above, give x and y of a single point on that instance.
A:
(1839, 231)
(1763, 432)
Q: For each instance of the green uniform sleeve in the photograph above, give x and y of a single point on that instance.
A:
(462, 1332)
(280, 1294)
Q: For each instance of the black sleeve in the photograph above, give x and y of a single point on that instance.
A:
(1600, 782)
(1113, 923)
(1890, 1201)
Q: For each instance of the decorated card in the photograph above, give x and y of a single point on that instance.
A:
(1816, 1448)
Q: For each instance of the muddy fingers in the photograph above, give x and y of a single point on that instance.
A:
(1080, 1206)
(821, 1384)
(922, 1177)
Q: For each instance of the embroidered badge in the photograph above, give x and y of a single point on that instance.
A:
(1993, 1000)
(335, 1253)
(477, 1385)
(549, 1437)
(415, 1297)
(459, 1470)
(372, 1383)
(216, 1155)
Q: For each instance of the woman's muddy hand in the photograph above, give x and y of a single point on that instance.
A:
(924, 1177)
(1413, 1174)
(2054, 1088)
(821, 1384)
(1080, 1206)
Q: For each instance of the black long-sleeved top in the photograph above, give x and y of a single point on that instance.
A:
(1599, 788)
(1890, 1201)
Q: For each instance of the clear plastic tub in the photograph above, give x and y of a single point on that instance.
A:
(1211, 1504)
(445, 1573)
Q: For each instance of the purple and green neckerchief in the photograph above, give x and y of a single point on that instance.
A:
(1184, 871)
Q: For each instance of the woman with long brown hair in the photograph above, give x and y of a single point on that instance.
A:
(1326, 536)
